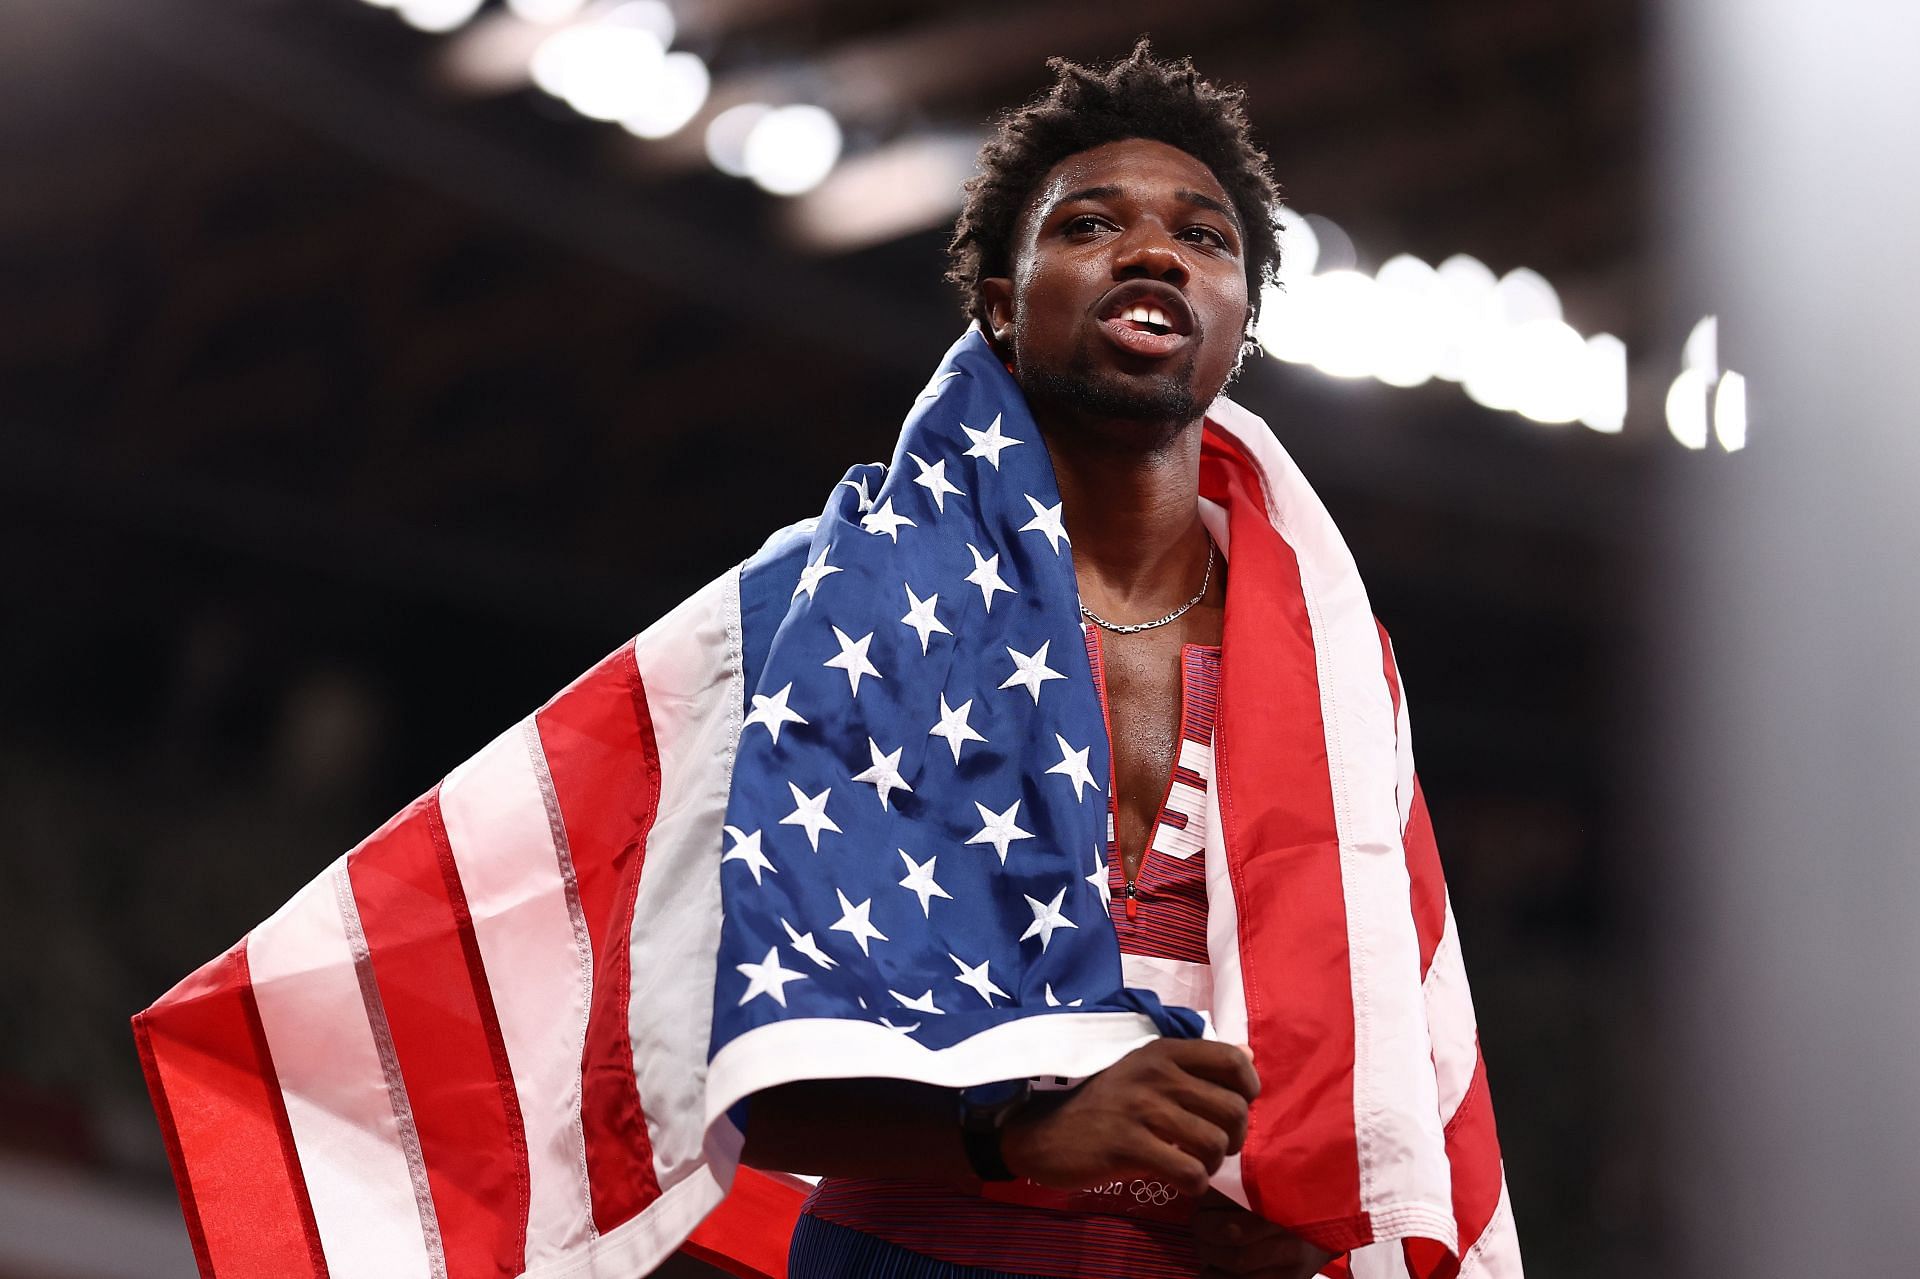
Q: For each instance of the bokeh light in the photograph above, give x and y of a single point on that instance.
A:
(791, 149)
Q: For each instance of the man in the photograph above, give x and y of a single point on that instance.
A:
(1118, 275)
(1164, 810)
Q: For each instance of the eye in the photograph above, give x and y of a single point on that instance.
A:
(1084, 224)
(1200, 233)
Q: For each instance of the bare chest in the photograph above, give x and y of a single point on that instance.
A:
(1144, 677)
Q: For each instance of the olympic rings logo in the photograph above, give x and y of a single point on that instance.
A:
(1157, 1193)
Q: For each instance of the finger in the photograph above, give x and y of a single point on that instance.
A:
(1221, 1107)
(1197, 1136)
(1223, 1064)
(1165, 1161)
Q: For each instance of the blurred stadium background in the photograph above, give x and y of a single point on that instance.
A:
(368, 369)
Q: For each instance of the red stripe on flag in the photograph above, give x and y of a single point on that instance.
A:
(1427, 883)
(222, 1116)
(1283, 855)
(600, 750)
(1473, 1148)
(446, 1038)
(748, 1234)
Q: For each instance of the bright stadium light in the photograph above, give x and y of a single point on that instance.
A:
(675, 96)
(1336, 252)
(727, 137)
(791, 149)
(1525, 295)
(650, 16)
(437, 15)
(1606, 407)
(546, 13)
(1548, 373)
(1345, 309)
(1467, 303)
(1702, 351)
(1408, 340)
(603, 72)
(1730, 412)
(1299, 246)
(1687, 408)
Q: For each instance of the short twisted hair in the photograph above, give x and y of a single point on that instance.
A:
(1137, 97)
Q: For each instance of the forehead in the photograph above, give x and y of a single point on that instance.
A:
(1139, 167)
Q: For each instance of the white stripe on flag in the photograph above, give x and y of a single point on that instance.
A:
(690, 668)
(1179, 982)
(1456, 1043)
(1496, 1254)
(533, 947)
(335, 1089)
(1402, 748)
(1405, 1182)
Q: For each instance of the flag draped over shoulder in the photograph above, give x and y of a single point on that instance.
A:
(840, 814)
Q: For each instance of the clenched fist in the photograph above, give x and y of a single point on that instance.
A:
(1171, 1110)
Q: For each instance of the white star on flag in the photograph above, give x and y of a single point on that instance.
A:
(860, 486)
(853, 920)
(986, 576)
(975, 975)
(999, 830)
(1100, 881)
(905, 1030)
(768, 978)
(804, 943)
(772, 712)
(1073, 766)
(1046, 519)
(853, 659)
(810, 811)
(919, 881)
(989, 442)
(884, 776)
(954, 727)
(933, 478)
(884, 521)
(746, 848)
(1030, 670)
(921, 617)
(1047, 918)
(810, 575)
(1053, 1000)
(919, 1004)
(932, 388)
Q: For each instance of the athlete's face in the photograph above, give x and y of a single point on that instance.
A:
(1128, 298)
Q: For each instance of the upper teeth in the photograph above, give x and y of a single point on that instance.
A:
(1144, 314)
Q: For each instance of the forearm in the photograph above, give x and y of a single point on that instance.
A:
(858, 1128)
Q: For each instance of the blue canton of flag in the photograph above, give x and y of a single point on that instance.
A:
(914, 836)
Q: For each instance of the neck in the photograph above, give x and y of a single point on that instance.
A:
(1130, 497)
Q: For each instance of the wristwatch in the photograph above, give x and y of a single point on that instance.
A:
(984, 1111)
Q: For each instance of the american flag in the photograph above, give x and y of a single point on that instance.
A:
(840, 814)
(915, 851)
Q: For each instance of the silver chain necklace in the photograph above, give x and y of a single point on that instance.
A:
(1205, 581)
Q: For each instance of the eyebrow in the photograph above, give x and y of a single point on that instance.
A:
(1208, 202)
(1195, 198)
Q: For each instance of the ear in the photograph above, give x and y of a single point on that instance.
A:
(996, 299)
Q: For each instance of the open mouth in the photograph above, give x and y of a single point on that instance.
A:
(1146, 318)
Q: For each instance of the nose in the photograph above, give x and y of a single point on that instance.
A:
(1148, 253)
